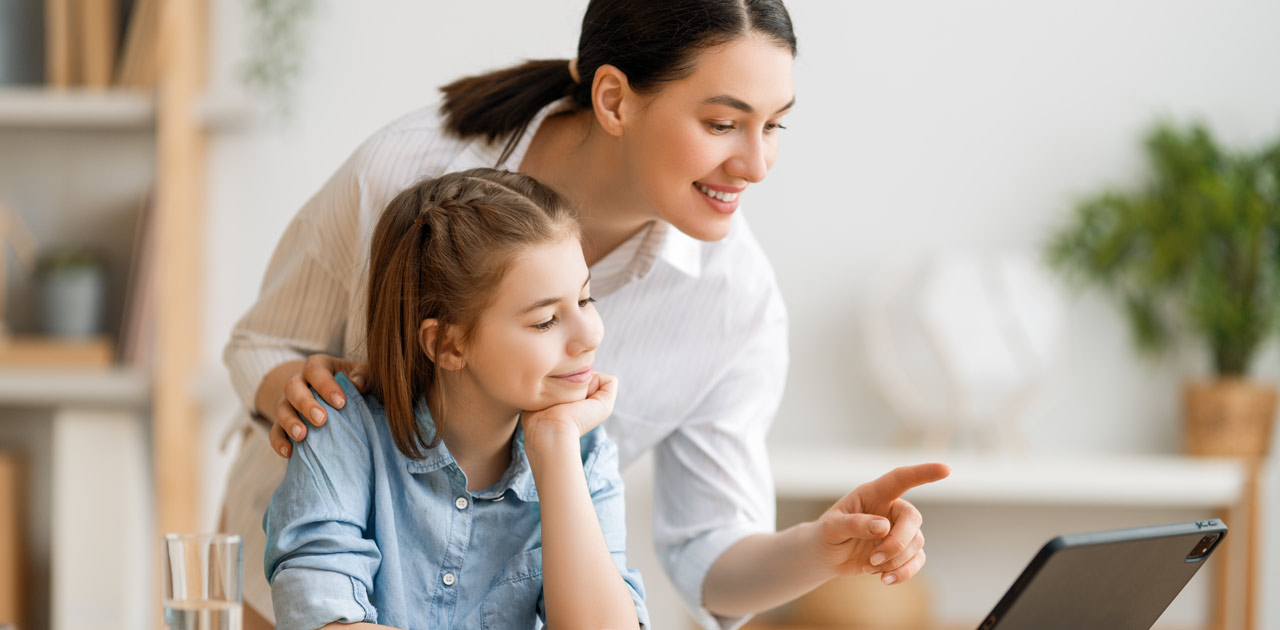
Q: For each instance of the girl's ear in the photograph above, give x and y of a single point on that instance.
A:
(439, 343)
(612, 99)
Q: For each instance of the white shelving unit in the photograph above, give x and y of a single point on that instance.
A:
(114, 451)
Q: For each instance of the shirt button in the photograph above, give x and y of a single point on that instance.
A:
(461, 503)
(449, 579)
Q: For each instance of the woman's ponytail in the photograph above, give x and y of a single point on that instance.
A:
(502, 103)
(651, 41)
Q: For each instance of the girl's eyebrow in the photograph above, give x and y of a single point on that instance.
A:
(741, 105)
(548, 301)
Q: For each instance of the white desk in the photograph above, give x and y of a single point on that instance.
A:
(1227, 486)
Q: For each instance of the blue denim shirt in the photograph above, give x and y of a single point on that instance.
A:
(359, 532)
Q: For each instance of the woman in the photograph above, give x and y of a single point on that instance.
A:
(655, 131)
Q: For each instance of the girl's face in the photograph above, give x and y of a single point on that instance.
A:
(535, 344)
(697, 143)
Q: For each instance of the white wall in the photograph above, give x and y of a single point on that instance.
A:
(919, 126)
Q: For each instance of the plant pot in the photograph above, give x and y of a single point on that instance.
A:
(1228, 418)
(72, 301)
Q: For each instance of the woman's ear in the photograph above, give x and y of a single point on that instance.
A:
(612, 99)
(440, 344)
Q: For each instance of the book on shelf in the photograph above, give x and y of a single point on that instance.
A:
(138, 322)
(137, 67)
(99, 44)
(13, 545)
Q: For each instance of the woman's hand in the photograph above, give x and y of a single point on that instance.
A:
(285, 395)
(573, 418)
(873, 530)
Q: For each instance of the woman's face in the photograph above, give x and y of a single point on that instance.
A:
(698, 143)
(535, 344)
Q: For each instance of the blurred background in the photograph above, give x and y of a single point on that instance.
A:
(939, 155)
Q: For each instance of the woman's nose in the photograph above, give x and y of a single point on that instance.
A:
(752, 160)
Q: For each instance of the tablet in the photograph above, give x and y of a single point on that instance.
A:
(1119, 580)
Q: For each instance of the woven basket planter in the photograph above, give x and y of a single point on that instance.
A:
(1228, 418)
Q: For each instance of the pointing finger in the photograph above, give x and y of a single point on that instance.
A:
(898, 481)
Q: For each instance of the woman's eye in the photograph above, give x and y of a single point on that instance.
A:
(720, 128)
(772, 127)
(584, 303)
(547, 324)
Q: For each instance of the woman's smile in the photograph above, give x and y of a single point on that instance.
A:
(722, 199)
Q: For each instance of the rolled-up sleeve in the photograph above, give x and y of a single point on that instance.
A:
(605, 483)
(712, 472)
(319, 562)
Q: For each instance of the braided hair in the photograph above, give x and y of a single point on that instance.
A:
(439, 251)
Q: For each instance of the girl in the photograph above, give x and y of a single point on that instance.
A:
(656, 130)
(434, 502)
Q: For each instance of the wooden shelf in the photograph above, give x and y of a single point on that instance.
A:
(1130, 480)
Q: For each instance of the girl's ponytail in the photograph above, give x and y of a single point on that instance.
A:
(439, 251)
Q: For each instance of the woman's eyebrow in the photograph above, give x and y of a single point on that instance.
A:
(741, 105)
(548, 301)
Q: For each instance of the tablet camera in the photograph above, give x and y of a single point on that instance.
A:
(1203, 547)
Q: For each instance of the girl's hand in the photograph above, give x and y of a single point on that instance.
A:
(573, 419)
(873, 530)
(296, 400)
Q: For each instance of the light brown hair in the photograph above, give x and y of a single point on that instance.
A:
(440, 251)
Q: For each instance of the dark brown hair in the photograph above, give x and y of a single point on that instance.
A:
(440, 251)
(651, 41)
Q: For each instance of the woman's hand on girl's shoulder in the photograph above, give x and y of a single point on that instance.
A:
(296, 401)
(574, 419)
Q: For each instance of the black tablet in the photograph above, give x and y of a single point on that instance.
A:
(1118, 580)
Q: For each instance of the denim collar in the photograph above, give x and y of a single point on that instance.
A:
(518, 476)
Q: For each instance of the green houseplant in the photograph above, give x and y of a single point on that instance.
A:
(1196, 250)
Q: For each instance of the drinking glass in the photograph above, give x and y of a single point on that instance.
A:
(201, 575)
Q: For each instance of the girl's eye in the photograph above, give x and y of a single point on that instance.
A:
(720, 128)
(584, 303)
(772, 127)
(547, 324)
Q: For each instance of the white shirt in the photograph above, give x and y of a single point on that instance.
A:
(696, 333)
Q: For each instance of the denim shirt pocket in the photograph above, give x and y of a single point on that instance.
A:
(512, 603)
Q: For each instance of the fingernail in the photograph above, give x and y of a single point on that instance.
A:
(868, 570)
(337, 401)
(317, 415)
(359, 381)
(880, 527)
(284, 451)
(296, 431)
(877, 559)
(889, 578)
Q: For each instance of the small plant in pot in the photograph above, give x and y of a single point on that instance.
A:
(1197, 250)
(72, 289)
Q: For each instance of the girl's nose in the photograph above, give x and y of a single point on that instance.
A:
(587, 334)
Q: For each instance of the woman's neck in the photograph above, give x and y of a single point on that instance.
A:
(477, 430)
(576, 158)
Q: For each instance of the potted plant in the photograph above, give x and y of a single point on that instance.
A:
(72, 287)
(1197, 250)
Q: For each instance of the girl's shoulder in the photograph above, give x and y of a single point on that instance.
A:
(354, 426)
